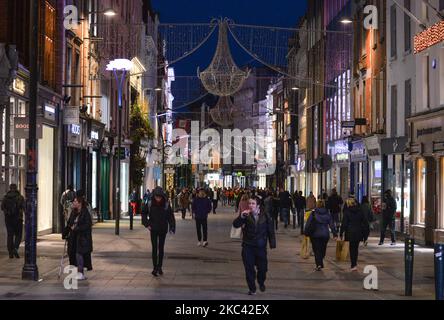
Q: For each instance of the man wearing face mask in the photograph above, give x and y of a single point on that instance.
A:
(258, 230)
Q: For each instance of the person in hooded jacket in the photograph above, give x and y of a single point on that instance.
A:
(355, 226)
(159, 219)
(257, 228)
(201, 208)
(13, 205)
(320, 223)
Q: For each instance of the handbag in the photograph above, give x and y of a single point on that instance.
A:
(342, 250)
(310, 228)
(236, 233)
(305, 248)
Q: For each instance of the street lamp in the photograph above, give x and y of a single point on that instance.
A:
(119, 67)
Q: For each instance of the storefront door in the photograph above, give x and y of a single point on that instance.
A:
(104, 188)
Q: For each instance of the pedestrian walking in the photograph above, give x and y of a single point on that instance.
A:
(276, 210)
(388, 217)
(79, 234)
(354, 225)
(366, 209)
(334, 205)
(285, 205)
(215, 197)
(300, 204)
(184, 202)
(257, 229)
(13, 206)
(159, 219)
(318, 227)
(243, 203)
(147, 197)
(66, 200)
(201, 209)
(311, 202)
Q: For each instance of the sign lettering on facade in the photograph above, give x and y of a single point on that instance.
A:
(71, 115)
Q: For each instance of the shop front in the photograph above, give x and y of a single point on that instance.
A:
(375, 172)
(360, 170)
(76, 154)
(398, 178)
(426, 153)
(95, 142)
(338, 176)
(301, 183)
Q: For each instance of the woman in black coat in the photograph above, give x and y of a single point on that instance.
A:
(354, 225)
(80, 243)
(158, 217)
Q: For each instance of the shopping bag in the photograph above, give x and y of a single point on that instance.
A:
(236, 233)
(305, 248)
(342, 250)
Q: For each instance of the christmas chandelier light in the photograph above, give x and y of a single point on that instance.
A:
(223, 113)
(223, 78)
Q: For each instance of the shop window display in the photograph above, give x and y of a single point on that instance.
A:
(421, 191)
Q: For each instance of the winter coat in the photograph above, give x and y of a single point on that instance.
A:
(81, 236)
(323, 223)
(354, 224)
(268, 206)
(201, 207)
(368, 212)
(285, 200)
(311, 203)
(184, 200)
(13, 205)
(334, 203)
(159, 217)
(256, 234)
(388, 213)
(300, 202)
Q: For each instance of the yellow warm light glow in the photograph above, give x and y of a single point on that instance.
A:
(429, 37)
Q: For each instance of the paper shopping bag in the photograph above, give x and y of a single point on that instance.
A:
(342, 250)
(236, 233)
(305, 248)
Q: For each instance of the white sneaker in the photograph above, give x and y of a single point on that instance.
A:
(80, 277)
(199, 244)
(205, 244)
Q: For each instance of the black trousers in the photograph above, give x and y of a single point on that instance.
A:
(158, 246)
(14, 230)
(320, 249)
(354, 252)
(388, 223)
(202, 225)
(255, 258)
(300, 215)
(184, 212)
(215, 202)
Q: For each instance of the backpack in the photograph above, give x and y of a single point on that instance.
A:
(310, 228)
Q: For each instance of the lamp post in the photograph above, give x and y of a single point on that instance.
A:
(119, 67)
(30, 270)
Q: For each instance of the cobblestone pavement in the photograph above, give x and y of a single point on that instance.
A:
(122, 268)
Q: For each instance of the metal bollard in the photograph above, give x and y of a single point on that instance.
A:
(439, 271)
(409, 251)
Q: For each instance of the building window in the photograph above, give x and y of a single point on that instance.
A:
(407, 28)
(408, 101)
(393, 48)
(421, 191)
(49, 46)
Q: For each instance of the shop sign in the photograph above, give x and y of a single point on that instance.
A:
(71, 115)
(342, 157)
(213, 177)
(19, 86)
(373, 146)
(358, 152)
(94, 135)
(21, 128)
(428, 132)
(50, 112)
(394, 145)
(300, 164)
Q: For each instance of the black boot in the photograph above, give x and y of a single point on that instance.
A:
(155, 272)
(16, 254)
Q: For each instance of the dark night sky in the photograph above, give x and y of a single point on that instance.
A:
(278, 13)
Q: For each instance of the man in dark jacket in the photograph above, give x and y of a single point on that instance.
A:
(300, 204)
(388, 217)
(158, 217)
(334, 203)
(201, 208)
(285, 204)
(258, 229)
(215, 197)
(13, 205)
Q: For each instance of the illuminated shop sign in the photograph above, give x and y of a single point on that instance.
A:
(19, 86)
(429, 37)
(94, 135)
(75, 129)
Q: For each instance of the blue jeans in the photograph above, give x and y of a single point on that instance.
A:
(285, 215)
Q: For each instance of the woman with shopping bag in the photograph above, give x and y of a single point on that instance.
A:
(318, 228)
(354, 225)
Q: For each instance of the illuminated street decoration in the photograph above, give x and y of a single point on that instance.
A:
(223, 112)
(429, 37)
(223, 78)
